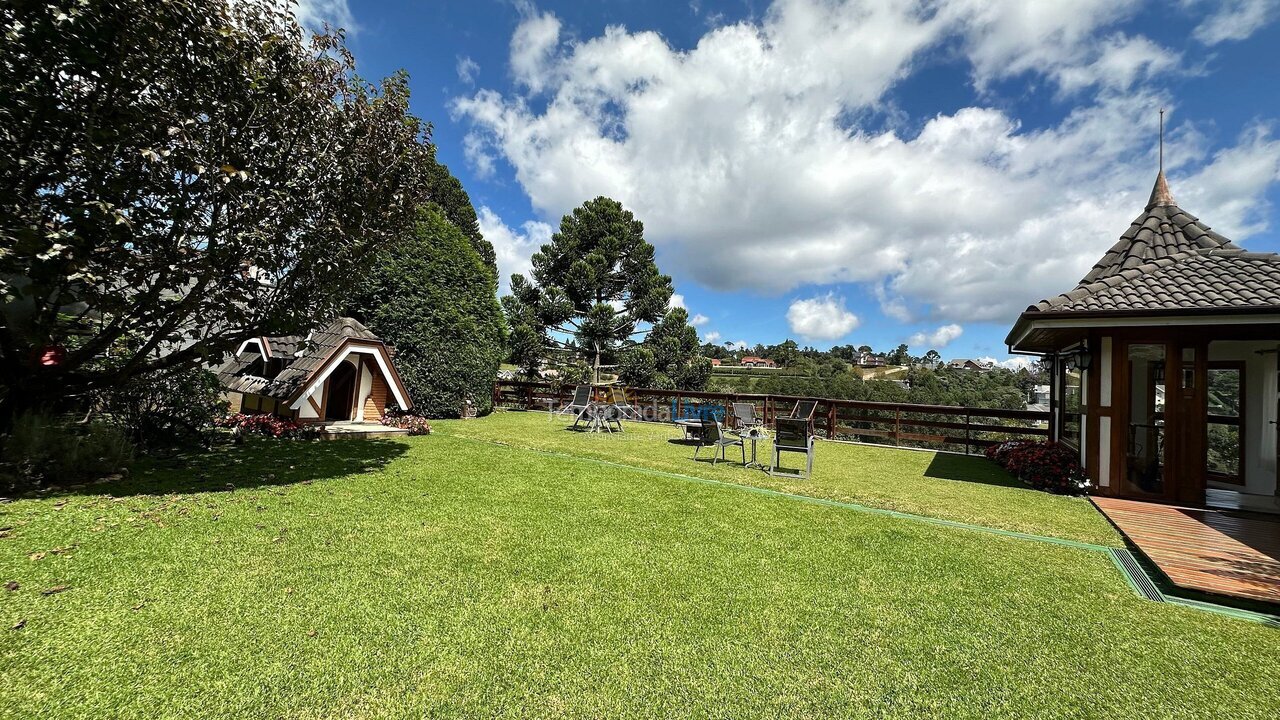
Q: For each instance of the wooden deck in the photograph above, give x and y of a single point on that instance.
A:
(1212, 551)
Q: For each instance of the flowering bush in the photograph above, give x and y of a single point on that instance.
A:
(415, 424)
(1042, 465)
(270, 425)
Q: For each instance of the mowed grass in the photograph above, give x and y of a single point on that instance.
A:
(940, 485)
(440, 576)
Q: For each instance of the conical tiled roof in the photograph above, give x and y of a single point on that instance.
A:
(1163, 230)
(1169, 260)
(1166, 263)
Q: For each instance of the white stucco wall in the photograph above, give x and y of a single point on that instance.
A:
(1259, 358)
(305, 411)
(366, 389)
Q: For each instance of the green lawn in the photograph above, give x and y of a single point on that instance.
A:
(444, 576)
(942, 485)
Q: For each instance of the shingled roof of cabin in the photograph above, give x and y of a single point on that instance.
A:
(302, 356)
(1168, 260)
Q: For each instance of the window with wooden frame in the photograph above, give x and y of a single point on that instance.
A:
(1224, 424)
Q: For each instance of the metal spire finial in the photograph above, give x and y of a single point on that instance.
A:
(1160, 194)
(1162, 140)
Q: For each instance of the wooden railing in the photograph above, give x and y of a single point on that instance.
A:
(944, 427)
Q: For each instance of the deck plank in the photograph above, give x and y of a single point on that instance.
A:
(1215, 551)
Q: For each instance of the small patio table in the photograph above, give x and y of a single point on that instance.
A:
(753, 435)
(693, 426)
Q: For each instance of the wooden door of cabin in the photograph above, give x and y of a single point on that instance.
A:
(1186, 412)
(1161, 415)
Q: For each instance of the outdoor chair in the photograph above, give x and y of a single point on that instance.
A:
(804, 410)
(713, 436)
(744, 416)
(581, 401)
(792, 435)
(618, 397)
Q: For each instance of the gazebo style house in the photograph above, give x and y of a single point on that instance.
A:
(1164, 364)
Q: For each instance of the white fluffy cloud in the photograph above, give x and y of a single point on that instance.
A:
(1013, 363)
(937, 339)
(753, 165)
(467, 69)
(1233, 19)
(513, 248)
(676, 301)
(699, 320)
(711, 337)
(821, 318)
(313, 14)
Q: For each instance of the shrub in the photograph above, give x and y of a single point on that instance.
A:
(1042, 465)
(42, 450)
(433, 298)
(262, 424)
(414, 423)
(174, 409)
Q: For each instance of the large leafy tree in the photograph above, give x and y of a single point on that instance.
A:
(434, 298)
(177, 176)
(592, 287)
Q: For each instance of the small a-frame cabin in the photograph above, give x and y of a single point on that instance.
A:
(340, 372)
(1164, 364)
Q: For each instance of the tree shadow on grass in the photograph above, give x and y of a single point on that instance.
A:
(946, 466)
(257, 463)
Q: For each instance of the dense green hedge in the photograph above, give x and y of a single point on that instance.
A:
(433, 297)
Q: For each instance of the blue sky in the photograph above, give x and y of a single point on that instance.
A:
(867, 172)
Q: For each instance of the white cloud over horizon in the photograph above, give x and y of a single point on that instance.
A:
(746, 160)
(1015, 362)
(821, 318)
(937, 339)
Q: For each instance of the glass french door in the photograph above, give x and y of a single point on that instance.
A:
(1145, 448)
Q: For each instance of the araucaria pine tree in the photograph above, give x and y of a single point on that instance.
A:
(592, 287)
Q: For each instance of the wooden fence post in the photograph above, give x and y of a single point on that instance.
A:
(897, 426)
(968, 420)
(831, 421)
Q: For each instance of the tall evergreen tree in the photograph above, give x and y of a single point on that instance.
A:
(592, 286)
(434, 298)
(446, 191)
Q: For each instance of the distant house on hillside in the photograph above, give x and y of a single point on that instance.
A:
(1038, 399)
(867, 359)
(967, 364)
(753, 361)
(341, 371)
(715, 362)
